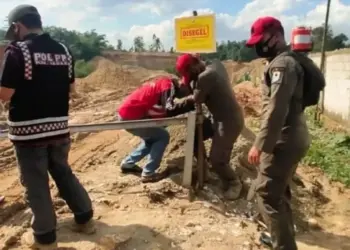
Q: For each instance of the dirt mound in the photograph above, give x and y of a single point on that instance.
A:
(110, 82)
(249, 97)
(108, 74)
(239, 71)
(232, 67)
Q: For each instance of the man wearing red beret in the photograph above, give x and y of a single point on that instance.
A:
(283, 138)
(211, 86)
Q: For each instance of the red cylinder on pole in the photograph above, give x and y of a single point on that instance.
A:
(301, 39)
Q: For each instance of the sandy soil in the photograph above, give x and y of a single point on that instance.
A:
(131, 215)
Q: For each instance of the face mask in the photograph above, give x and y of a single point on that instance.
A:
(263, 50)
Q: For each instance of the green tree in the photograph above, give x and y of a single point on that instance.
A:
(84, 46)
(2, 34)
(332, 42)
(317, 37)
(338, 42)
(247, 54)
(232, 50)
(120, 45)
(156, 45)
(139, 44)
(82, 68)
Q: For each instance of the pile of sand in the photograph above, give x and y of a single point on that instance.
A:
(110, 75)
(249, 97)
(110, 82)
(237, 70)
(232, 67)
(247, 92)
(107, 75)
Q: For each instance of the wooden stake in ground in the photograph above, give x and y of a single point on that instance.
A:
(200, 156)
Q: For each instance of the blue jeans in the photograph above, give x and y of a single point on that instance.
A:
(153, 145)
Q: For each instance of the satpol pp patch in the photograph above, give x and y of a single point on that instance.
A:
(277, 75)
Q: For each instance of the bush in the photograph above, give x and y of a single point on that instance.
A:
(82, 68)
(329, 151)
(245, 77)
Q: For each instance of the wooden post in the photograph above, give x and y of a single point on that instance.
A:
(200, 157)
(187, 174)
(320, 106)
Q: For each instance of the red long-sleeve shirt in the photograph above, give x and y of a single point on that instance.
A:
(151, 100)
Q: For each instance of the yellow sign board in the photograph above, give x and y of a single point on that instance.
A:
(195, 34)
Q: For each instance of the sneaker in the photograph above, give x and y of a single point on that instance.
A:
(30, 242)
(128, 168)
(152, 178)
(87, 228)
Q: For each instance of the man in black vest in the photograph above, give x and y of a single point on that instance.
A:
(37, 77)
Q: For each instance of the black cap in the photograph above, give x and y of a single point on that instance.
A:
(16, 14)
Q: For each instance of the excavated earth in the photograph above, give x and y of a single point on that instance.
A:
(131, 215)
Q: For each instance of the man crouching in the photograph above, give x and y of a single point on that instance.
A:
(154, 99)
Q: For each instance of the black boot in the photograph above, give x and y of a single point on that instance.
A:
(265, 239)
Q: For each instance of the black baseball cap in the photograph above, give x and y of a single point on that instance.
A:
(17, 14)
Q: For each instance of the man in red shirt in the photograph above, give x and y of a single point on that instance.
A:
(154, 99)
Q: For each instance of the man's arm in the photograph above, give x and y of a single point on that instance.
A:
(177, 108)
(183, 106)
(203, 88)
(284, 77)
(72, 91)
(11, 73)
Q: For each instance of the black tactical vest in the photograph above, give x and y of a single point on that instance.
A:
(39, 106)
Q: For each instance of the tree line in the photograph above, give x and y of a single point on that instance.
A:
(236, 50)
(86, 45)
